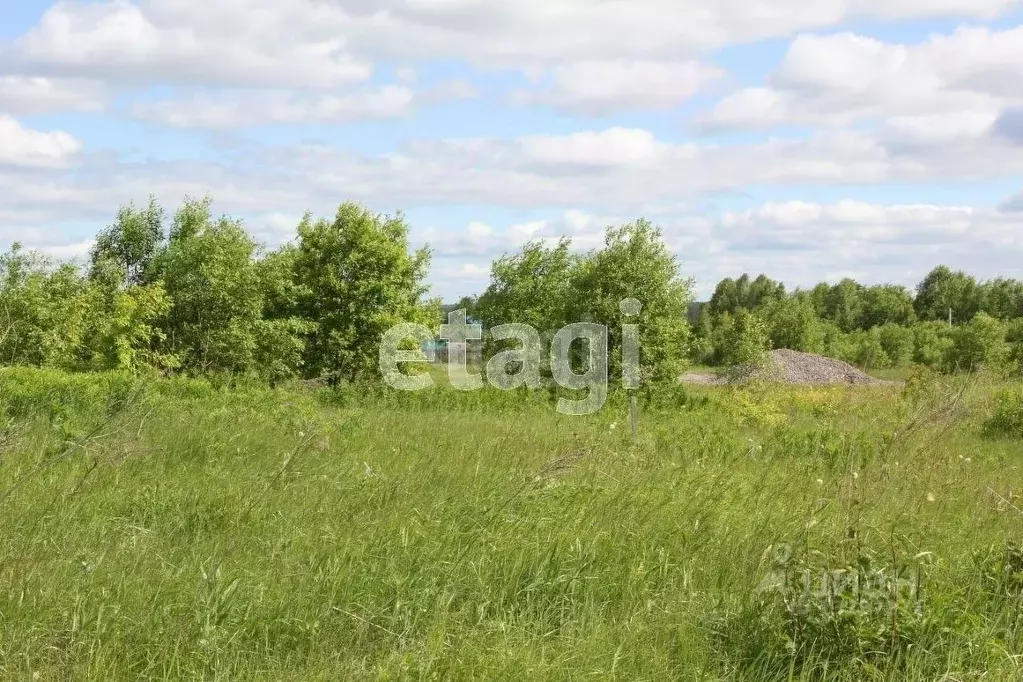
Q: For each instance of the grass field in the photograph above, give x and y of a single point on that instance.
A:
(175, 530)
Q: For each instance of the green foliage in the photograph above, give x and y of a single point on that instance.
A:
(887, 304)
(943, 290)
(357, 279)
(548, 287)
(1007, 419)
(867, 350)
(534, 286)
(793, 324)
(731, 296)
(979, 344)
(747, 342)
(131, 243)
(209, 273)
(932, 342)
(844, 305)
(636, 263)
(1002, 298)
(897, 342)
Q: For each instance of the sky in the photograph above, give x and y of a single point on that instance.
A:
(810, 140)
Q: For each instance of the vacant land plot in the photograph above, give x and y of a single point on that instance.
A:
(171, 529)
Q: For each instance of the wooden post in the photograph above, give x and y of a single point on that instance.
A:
(634, 417)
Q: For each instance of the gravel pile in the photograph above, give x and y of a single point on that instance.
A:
(794, 367)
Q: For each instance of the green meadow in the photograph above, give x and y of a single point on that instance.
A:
(181, 529)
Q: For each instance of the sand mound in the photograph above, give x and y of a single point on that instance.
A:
(793, 367)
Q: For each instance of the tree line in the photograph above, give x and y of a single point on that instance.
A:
(950, 321)
(195, 293)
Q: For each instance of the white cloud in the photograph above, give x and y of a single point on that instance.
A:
(21, 146)
(606, 87)
(316, 43)
(27, 96)
(841, 78)
(232, 109)
(224, 43)
(607, 148)
(75, 251)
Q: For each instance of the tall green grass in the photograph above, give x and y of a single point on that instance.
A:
(173, 529)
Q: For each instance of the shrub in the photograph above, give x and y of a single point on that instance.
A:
(931, 343)
(746, 343)
(897, 343)
(979, 344)
(1007, 419)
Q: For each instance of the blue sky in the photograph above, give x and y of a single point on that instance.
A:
(808, 139)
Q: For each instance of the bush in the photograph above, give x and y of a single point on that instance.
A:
(979, 344)
(931, 343)
(897, 343)
(868, 351)
(1007, 419)
(746, 343)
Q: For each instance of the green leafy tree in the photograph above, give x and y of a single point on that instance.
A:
(931, 343)
(844, 305)
(1002, 298)
(533, 286)
(747, 342)
(40, 309)
(121, 330)
(636, 263)
(867, 350)
(979, 344)
(209, 273)
(897, 342)
(943, 290)
(726, 298)
(793, 323)
(282, 333)
(132, 242)
(358, 279)
(887, 304)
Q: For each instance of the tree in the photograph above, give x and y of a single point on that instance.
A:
(867, 350)
(793, 324)
(979, 344)
(943, 290)
(931, 343)
(897, 342)
(358, 279)
(636, 263)
(533, 286)
(725, 298)
(844, 305)
(763, 291)
(209, 273)
(730, 296)
(40, 308)
(132, 242)
(1002, 298)
(747, 342)
(887, 304)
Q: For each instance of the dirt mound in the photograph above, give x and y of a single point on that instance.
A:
(793, 367)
